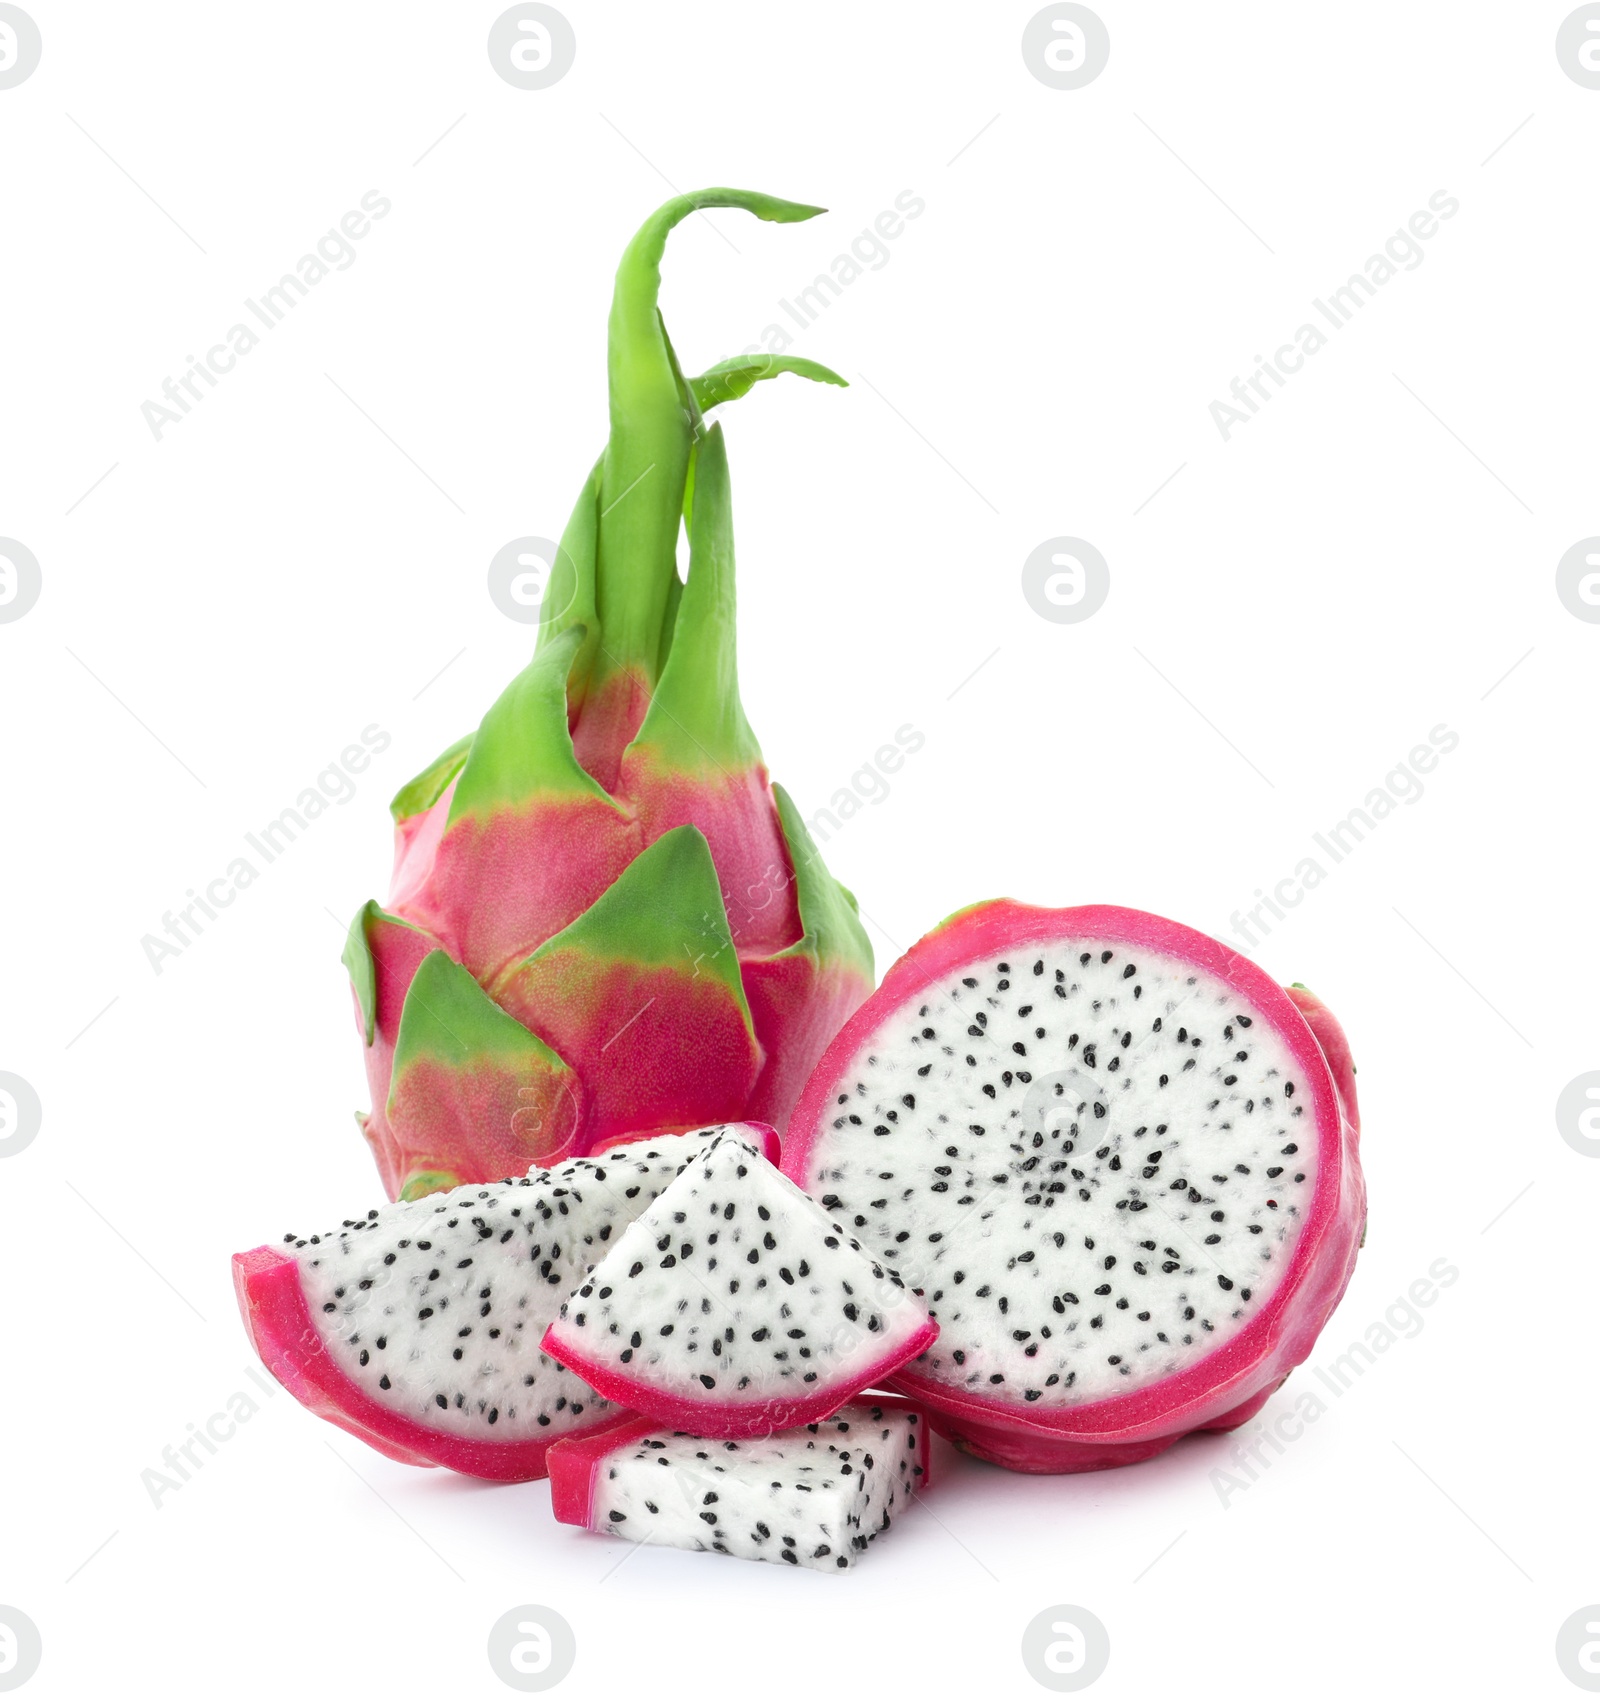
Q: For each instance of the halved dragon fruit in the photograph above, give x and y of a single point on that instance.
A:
(734, 1306)
(1115, 1158)
(417, 1327)
(813, 1497)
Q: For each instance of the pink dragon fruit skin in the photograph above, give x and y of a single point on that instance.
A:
(1335, 1045)
(639, 930)
(1226, 1387)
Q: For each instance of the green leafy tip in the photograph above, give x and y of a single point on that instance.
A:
(696, 720)
(664, 910)
(427, 786)
(733, 378)
(448, 1018)
(363, 970)
(523, 747)
(830, 927)
(653, 425)
(420, 1184)
(362, 964)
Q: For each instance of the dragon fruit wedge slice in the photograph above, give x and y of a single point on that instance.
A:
(417, 1327)
(815, 1496)
(734, 1306)
(638, 929)
(1115, 1157)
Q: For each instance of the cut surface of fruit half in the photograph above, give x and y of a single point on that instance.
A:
(1110, 1153)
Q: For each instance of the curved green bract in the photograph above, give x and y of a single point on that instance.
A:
(669, 618)
(362, 965)
(427, 786)
(447, 1017)
(569, 596)
(420, 1184)
(664, 910)
(829, 925)
(731, 379)
(696, 719)
(363, 969)
(646, 460)
(523, 747)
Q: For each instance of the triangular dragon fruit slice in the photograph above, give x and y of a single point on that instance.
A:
(417, 1327)
(1116, 1158)
(815, 1496)
(734, 1306)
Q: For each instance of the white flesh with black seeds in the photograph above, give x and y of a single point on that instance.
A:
(815, 1496)
(436, 1307)
(735, 1287)
(1093, 1162)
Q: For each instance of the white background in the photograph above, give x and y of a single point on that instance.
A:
(306, 554)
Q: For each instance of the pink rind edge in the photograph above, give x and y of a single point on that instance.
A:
(1334, 1044)
(1246, 1368)
(285, 1335)
(574, 1464)
(730, 1419)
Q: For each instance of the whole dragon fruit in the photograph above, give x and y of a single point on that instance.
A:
(604, 919)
